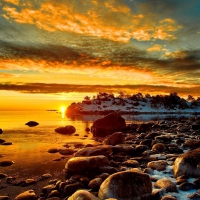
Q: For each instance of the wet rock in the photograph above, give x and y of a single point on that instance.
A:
(28, 182)
(108, 169)
(166, 184)
(152, 135)
(192, 143)
(157, 194)
(66, 130)
(160, 147)
(107, 125)
(2, 175)
(195, 196)
(147, 142)
(145, 127)
(6, 163)
(87, 129)
(66, 151)
(32, 123)
(131, 163)
(105, 150)
(186, 186)
(28, 195)
(163, 139)
(124, 148)
(71, 188)
(46, 176)
(6, 143)
(168, 197)
(140, 149)
(53, 150)
(82, 195)
(94, 184)
(158, 165)
(188, 164)
(196, 126)
(2, 141)
(54, 193)
(114, 139)
(1, 131)
(126, 185)
(78, 165)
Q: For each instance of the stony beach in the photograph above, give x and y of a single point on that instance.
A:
(144, 161)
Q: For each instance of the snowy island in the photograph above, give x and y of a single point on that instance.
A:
(104, 103)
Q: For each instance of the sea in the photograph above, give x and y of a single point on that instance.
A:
(30, 145)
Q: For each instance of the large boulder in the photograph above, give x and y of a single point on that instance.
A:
(114, 139)
(129, 185)
(82, 165)
(107, 125)
(188, 164)
(66, 130)
(105, 150)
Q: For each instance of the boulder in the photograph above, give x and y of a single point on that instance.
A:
(192, 144)
(79, 165)
(107, 125)
(28, 195)
(66, 130)
(32, 123)
(1, 131)
(82, 195)
(105, 150)
(160, 147)
(166, 184)
(114, 139)
(6, 163)
(129, 185)
(66, 151)
(188, 164)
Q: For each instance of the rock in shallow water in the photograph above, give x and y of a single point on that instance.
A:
(28, 195)
(108, 125)
(66, 130)
(82, 195)
(32, 123)
(129, 185)
(6, 163)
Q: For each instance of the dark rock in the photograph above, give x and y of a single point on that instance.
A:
(151, 135)
(197, 183)
(114, 139)
(145, 127)
(87, 129)
(196, 126)
(160, 147)
(53, 150)
(140, 149)
(66, 151)
(108, 125)
(28, 195)
(2, 141)
(186, 186)
(3, 175)
(157, 194)
(67, 130)
(6, 163)
(78, 165)
(146, 142)
(194, 196)
(71, 188)
(54, 193)
(168, 197)
(4, 198)
(1, 131)
(32, 123)
(193, 144)
(6, 143)
(126, 185)
(166, 184)
(94, 184)
(105, 150)
(188, 164)
(108, 169)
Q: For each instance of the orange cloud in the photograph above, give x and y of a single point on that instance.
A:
(110, 20)
(15, 2)
(156, 47)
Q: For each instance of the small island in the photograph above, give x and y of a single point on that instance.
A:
(104, 103)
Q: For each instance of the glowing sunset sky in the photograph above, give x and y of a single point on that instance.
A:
(52, 51)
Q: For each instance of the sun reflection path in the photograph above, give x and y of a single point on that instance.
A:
(63, 110)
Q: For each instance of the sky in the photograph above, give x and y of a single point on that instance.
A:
(57, 51)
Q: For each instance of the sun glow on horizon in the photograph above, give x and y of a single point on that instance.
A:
(63, 110)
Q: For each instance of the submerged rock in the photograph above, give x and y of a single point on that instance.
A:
(107, 125)
(129, 185)
(66, 130)
(6, 163)
(32, 123)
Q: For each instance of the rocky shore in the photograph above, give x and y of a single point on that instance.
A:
(142, 161)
